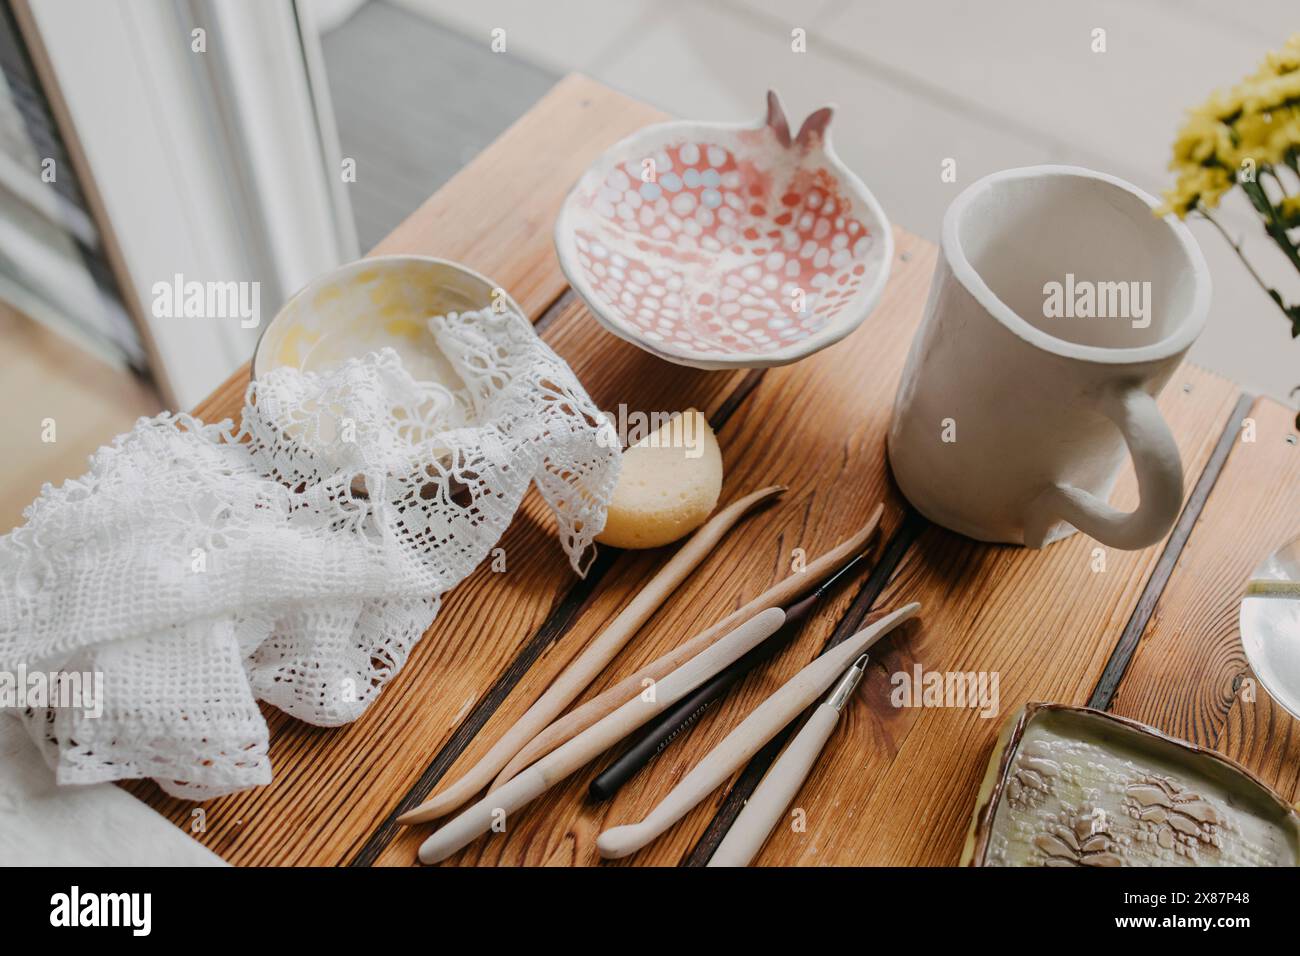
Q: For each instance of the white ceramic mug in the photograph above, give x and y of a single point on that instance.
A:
(1060, 308)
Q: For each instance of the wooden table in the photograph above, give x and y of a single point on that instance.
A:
(1149, 634)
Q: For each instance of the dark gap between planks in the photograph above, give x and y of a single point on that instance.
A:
(1104, 693)
(556, 625)
(566, 298)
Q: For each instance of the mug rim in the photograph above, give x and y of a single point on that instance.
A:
(1175, 343)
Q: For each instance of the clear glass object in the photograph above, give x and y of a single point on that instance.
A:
(1270, 625)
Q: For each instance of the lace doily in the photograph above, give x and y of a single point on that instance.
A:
(295, 560)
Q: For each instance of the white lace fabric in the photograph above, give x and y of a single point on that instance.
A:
(296, 560)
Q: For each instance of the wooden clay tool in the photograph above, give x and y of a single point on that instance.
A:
(558, 764)
(779, 595)
(677, 721)
(766, 806)
(747, 738)
(593, 659)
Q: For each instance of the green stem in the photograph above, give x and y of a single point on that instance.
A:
(1236, 247)
(1272, 225)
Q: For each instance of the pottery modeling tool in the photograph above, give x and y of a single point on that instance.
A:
(555, 766)
(778, 595)
(682, 716)
(748, 738)
(781, 783)
(594, 658)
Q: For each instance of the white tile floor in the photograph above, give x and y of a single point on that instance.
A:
(991, 85)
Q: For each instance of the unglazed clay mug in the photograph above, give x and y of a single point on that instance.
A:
(1060, 307)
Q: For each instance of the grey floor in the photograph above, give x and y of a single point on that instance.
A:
(414, 102)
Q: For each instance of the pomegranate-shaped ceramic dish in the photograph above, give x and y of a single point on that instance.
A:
(726, 245)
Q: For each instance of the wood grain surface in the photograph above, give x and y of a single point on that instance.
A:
(1190, 677)
(895, 785)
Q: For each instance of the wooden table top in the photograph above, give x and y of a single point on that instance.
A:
(1149, 634)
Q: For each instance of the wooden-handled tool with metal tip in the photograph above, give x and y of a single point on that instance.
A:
(781, 783)
(779, 595)
(748, 738)
(597, 738)
(675, 722)
(593, 659)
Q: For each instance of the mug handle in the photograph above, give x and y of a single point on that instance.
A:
(1159, 474)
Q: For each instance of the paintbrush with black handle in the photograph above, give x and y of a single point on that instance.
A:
(683, 715)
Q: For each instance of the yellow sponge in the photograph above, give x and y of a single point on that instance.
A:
(669, 484)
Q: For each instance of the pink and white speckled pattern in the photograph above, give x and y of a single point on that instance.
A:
(740, 244)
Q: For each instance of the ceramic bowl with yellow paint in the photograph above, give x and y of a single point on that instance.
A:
(369, 304)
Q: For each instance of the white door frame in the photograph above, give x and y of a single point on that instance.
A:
(210, 164)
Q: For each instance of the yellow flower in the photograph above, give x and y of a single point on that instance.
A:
(1203, 184)
(1255, 123)
(1262, 138)
(1270, 93)
(1285, 60)
(1290, 210)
